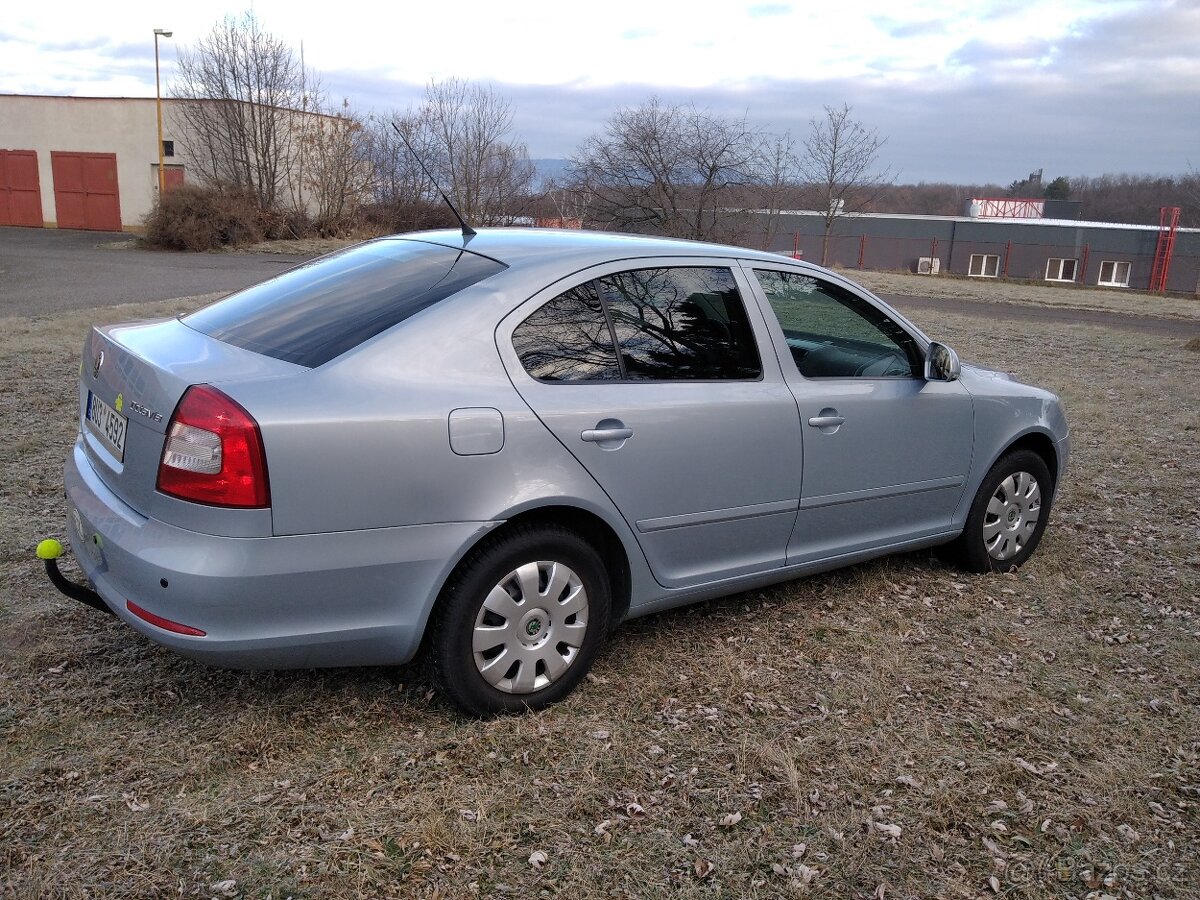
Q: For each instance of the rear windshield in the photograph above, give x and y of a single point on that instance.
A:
(319, 311)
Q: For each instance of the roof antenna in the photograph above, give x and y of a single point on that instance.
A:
(467, 230)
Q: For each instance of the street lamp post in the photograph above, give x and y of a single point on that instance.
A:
(162, 177)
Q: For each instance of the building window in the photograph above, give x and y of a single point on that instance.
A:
(1114, 274)
(984, 265)
(168, 148)
(1060, 269)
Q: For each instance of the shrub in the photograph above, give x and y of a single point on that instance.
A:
(396, 217)
(198, 218)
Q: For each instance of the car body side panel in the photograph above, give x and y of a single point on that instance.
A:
(893, 470)
(365, 442)
(705, 499)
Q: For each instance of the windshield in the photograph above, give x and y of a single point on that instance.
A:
(318, 311)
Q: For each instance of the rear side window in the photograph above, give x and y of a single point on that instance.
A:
(568, 339)
(662, 324)
(685, 323)
(319, 311)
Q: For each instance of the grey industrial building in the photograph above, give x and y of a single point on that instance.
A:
(1037, 249)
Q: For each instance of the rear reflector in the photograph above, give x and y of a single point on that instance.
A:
(164, 624)
(213, 453)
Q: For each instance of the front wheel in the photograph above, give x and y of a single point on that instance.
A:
(1008, 515)
(520, 622)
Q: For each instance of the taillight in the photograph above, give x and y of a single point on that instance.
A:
(214, 453)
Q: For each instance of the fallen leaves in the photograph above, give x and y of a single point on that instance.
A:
(135, 804)
(1039, 769)
(888, 830)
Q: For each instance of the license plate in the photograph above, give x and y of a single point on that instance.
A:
(108, 425)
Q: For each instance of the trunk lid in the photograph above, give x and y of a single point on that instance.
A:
(131, 378)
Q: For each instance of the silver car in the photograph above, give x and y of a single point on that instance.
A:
(493, 448)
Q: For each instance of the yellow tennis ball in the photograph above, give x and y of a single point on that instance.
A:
(49, 549)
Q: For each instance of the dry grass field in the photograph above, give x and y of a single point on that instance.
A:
(893, 730)
(987, 290)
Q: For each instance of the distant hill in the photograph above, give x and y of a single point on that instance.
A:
(548, 169)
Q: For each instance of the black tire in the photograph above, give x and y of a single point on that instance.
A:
(1000, 540)
(528, 632)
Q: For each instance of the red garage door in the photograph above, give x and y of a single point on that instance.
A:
(20, 189)
(85, 190)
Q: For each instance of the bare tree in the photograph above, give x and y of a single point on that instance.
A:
(462, 132)
(777, 181)
(337, 172)
(839, 158)
(570, 204)
(487, 174)
(669, 170)
(398, 180)
(239, 91)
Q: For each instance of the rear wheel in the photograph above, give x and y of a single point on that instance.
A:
(520, 621)
(1008, 515)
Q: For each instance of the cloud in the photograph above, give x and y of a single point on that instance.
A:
(995, 58)
(1132, 48)
(960, 132)
(762, 10)
(980, 93)
(900, 29)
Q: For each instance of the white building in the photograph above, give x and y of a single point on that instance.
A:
(83, 162)
(92, 162)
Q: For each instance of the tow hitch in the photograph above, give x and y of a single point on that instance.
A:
(48, 551)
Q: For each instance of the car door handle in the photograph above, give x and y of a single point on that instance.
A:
(826, 421)
(596, 435)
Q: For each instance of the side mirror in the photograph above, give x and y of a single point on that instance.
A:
(941, 363)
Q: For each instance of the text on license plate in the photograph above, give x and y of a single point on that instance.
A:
(108, 425)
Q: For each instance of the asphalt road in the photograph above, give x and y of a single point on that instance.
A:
(45, 270)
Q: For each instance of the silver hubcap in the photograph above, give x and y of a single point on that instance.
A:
(530, 627)
(1012, 515)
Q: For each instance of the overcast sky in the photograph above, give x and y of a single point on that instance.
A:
(979, 91)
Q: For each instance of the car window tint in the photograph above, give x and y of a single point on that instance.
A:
(320, 310)
(568, 339)
(680, 323)
(833, 333)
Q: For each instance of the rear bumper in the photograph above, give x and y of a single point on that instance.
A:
(339, 599)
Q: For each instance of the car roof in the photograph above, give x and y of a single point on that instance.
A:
(575, 247)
